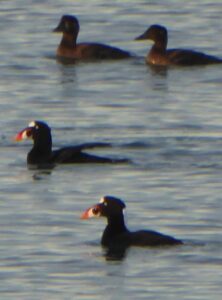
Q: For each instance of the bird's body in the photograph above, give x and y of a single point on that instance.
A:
(116, 233)
(159, 55)
(42, 154)
(70, 49)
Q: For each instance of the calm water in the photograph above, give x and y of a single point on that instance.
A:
(168, 123)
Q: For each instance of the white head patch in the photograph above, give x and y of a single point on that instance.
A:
(32, 124)
(102, 200)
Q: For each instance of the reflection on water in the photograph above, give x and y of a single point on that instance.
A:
(162, 71)
(40, 175)
(115, 253)
(66, 61)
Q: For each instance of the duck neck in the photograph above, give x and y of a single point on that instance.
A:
(68, 40)
(157, 54)
(160, 45)
(115, 226)
(41, 151)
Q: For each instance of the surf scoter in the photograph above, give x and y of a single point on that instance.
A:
(161, 56)
(42, 154)
(68, 48)
(116, 233)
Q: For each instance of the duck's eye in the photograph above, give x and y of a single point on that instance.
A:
(36, 127)
(105, 203)
(95, 210)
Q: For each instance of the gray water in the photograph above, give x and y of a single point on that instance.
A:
(169, 123)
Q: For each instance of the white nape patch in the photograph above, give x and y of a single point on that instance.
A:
(125, 216)
(32, 124)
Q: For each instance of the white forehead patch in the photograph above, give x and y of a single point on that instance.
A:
(32, 124)
(102, 200)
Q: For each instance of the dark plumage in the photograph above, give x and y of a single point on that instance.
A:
(116, 233)
(159, 55)
(42, 155)
(68, 48)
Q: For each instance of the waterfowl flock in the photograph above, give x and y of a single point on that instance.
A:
(158, 55)
(116, 235)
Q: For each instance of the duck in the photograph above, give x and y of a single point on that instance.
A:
(70, 49)
(159, 55)
(42, 154)
(117, 235)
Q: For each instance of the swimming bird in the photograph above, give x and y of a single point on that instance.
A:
(42, 154)
(161, 56)
(69, 48)
(116, 234)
